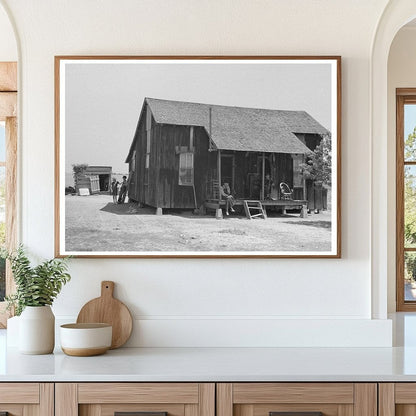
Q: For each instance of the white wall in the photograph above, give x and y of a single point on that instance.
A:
(8, 46)
(401, 74)
(212, 302)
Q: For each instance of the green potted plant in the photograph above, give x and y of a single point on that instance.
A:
(36, 289)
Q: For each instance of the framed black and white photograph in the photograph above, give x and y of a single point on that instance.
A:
(198, 156)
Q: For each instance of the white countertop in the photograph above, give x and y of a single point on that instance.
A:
(221, 364)
(215, 364)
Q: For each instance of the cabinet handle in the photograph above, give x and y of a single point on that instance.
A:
(138, 414)
(295, 413)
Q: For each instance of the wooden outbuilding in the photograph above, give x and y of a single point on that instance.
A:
(182, 152)
(95, 178)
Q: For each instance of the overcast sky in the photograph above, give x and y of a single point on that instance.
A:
(103, 100)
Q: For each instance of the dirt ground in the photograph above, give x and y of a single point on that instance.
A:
(94, 223)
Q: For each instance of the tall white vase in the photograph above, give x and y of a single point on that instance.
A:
(13, 332)
(37, 330)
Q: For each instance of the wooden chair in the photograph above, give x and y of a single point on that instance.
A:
(285, 191)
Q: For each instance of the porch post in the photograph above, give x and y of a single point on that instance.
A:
(233, 173)
(303, 179)
(219, 172)
(262, 177)
(218, 214)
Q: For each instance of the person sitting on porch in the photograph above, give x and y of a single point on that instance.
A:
(225, 192)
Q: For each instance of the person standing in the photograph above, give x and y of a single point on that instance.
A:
(123, 191)
(114, 189)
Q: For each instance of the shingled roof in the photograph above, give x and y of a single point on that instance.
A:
(240, 128)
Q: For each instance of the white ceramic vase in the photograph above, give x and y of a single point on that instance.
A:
(37, 330)
(13, 332)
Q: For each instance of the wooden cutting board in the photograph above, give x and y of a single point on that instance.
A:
(107, 309)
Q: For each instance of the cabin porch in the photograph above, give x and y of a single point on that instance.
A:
(273, 179)
(283, 204)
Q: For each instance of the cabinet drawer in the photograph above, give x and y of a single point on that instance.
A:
(147, 399)
(19, 393)
(138, 393)
(297, 399)
(21, 399)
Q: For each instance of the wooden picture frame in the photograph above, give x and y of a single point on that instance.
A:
(177, 128)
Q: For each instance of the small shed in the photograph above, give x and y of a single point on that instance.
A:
(96, 178)
(182, 151)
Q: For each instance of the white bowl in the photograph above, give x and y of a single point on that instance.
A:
(84, 340)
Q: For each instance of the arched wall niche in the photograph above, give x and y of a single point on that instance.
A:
(396, 15)
(9, 45)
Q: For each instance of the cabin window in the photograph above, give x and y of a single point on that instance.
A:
(406, 200)
(186, 169)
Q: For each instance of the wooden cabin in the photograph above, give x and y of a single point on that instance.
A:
(182, 151)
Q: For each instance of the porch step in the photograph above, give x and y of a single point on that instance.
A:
(256, 207)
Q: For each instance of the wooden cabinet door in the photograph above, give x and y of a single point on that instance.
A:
(26, 399)
(297, 399)
(145, 399)
(397, 399)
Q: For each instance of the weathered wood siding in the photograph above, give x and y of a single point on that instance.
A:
(204, 161)
(164, 188)
(136, 189)
(98, 170)
(159, 187)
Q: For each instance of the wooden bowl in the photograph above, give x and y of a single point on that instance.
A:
(84, 340)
